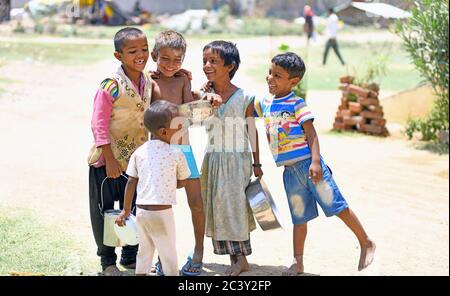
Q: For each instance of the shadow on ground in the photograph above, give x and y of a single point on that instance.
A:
(214, 269)
(433, 147)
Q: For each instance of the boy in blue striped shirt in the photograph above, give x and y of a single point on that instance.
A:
(294, 144)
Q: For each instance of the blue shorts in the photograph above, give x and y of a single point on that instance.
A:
(187, 151)
(303, 195)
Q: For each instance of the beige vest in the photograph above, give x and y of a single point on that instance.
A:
(126, 129)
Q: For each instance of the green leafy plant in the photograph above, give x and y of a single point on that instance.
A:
(425, 37)
(376, 69)
(352, 97)
(52, 26)
(224, 13)
(19, 28)
(39, 28)
(283, 47)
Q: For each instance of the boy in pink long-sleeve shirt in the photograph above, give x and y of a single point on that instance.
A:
(118, 129)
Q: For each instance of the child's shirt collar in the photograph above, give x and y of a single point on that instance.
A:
(139, 88)
(291, 94)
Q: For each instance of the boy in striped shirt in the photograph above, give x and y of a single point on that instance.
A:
(295, 145)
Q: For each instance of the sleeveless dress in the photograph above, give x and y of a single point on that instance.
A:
(226, 172)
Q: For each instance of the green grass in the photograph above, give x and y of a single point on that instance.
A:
(400, 75)
(108, 32)
(3, 82)
(28, 245)
(250, 27)
(87, 31)
(50, 53)
(6, 80)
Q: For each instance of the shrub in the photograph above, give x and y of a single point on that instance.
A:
(269, 26)
(425, 36)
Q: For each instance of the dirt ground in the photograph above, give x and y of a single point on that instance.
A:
(399, 193)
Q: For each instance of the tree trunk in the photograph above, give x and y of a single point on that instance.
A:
(5, 8)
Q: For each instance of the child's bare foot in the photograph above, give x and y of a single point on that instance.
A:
(233, 261)
(240, 266)
(367, 254)
(296, 268)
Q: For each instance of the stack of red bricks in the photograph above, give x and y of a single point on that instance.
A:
(360, 109)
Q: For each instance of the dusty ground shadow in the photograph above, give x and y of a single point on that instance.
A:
(214, 269)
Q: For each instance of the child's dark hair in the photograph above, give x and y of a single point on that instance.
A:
(292, 63)
(159, 115)
(169, 39)
(228, 53)
(123, 35)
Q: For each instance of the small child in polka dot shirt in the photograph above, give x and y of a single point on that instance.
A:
(156, 170)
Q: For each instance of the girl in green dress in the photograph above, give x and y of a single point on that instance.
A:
(227, 165)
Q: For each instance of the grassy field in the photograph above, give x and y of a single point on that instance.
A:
(28, 245)
(400, 73)
(54, 53)
(3, 83)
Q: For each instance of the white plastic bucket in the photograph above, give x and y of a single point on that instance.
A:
(110, 237)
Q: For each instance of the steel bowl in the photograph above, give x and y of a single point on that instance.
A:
(197, 111)
(262, 205)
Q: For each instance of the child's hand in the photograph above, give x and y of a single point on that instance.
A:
(120, 220)
(181, 183)
(113, 169)
(258, 172)
(315, 172)
(184, 72)
(154, 74)
(208, 87)
(215, 99)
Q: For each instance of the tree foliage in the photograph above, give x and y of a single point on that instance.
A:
(425, 36)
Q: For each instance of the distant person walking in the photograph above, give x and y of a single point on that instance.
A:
(309, 23)
(331, 30)
(5, 9)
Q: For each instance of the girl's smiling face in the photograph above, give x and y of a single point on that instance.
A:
(214, 66)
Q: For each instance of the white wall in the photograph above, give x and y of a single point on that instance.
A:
(18, 3)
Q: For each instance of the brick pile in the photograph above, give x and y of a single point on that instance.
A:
(360, 109)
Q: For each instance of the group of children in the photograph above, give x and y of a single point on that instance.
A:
(131, 103)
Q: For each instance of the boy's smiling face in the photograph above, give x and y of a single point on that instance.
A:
(168, 60)
(279, 83)
(134, 54)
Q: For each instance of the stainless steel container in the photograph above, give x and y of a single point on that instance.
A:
(197, 111)
(262, 205)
